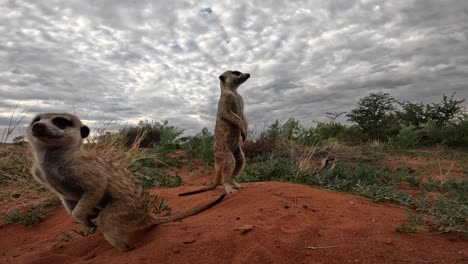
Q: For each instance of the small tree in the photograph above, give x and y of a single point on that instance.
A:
(445, 111)
(375, 114)
(332, 116)
(412, 114)
(291, 130)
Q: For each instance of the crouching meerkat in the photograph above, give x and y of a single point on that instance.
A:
(93, 191)
(230, 129)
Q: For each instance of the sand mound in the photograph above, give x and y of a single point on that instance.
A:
(264, 223)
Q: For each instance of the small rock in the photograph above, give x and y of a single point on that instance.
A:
(189, 241)
(464, 252)
(237, 218)
(286, 206)
(245, 228)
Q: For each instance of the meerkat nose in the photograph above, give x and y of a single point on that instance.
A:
(248, 75)
(39, 127)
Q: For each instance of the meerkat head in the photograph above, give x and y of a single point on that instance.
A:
(56, 131)
(233, 78)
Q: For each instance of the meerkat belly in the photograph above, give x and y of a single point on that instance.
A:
(227, 135)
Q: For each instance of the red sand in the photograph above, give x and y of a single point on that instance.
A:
(286, 220)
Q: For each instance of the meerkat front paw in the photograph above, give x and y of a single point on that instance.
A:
(85, 220)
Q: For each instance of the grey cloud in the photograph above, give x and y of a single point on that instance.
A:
(131, 61)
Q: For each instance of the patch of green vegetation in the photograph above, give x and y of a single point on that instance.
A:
(85, 231)
(371, 154)
(450, 215)
(381, 184)
(408, 136)
(270, 169)
(416, 224)
(414, 180)
(151, 176)
(200, 146)
(429, 166)
(160, 206)
(451, 187)
(31, 217)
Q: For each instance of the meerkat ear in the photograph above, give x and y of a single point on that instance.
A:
(84, 130)
(221, 77)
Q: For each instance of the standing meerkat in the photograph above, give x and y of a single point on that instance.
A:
(230, 129)
(92, 190)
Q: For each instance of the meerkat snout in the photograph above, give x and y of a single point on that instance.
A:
(39, 129)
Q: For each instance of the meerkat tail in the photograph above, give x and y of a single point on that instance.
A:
(199, 190)
(176, 217)
(209, 188)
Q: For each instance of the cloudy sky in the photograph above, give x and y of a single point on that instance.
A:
(160, 60)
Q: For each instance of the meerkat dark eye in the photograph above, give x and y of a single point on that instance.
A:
(61, 122)
(37, 119)
(237, 73)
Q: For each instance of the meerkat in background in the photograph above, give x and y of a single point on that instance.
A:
(328, 162)
(92, 190)
(230, 129)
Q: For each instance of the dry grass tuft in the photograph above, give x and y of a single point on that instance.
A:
(17, 187)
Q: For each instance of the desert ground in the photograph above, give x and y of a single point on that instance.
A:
(267, 222)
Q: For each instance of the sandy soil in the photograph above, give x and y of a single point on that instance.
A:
(264, 223)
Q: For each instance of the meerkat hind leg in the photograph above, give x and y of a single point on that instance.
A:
(227, 172)
(117, 239)
(113, 223)
(239, 167)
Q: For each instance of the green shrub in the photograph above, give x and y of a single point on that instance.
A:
(260, 147)
(408, 136)
(270, 169)
(450, 215)
(168, 139)
(149, 174)
(201, 146)
(324, 131)
(353, 135)
(146, 134)
(453, 134)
